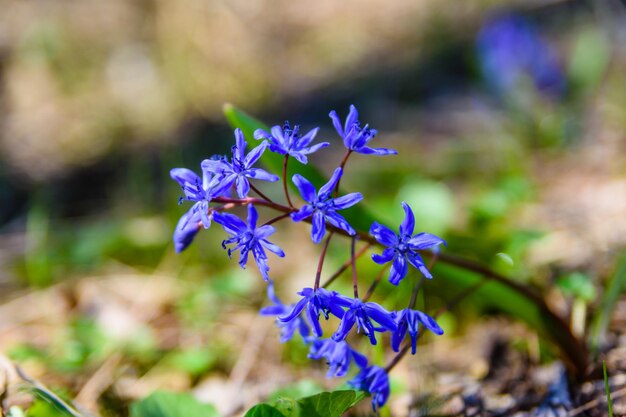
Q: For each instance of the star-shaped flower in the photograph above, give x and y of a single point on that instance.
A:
(202, 191)
(319, 301)
(287, 329)
(362, 313)
(240, 169)
(374, 380)
(355, 137)
(248, 238)
(322, 207)
(338, 355)
(408, 322)
(287, 141)
(403, 247)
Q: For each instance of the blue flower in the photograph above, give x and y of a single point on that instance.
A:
(202, 191)
(374, 380)
(510, 47)
(240, 169)
(355, 137)
(338, 355)
(319, 301)
(287, 329)
(248, 238)
(362, 313)
(322, 207)
(403, 247)
(408, 321)
(287, 141)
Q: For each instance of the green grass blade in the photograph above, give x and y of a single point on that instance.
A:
(614, 290)
(607, 388)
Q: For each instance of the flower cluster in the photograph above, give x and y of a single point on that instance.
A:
(212, 195)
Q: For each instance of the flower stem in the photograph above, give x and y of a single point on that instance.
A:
(285, 163)
(320, 264)
(342, 165)
(276, 219)
(355, 285)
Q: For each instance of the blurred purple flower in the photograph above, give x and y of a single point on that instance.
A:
(408, 322)
(338, 355)
(374, 380)
(509, 47)
(322, 207)
(287, 329)
(240, 169)
(355, 137)
(248, 238)
(403, 247)
(287, 141)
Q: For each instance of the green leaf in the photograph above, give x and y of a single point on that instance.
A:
(328, 404)
(577, 285)
(170, 404)
(263, 410)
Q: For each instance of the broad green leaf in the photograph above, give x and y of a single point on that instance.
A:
(171, 404)
(329, 404)
(499, 291)
(264, 410)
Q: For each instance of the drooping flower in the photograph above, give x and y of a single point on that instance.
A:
(248, 238)
(408, 322)
(287, 141)
(202, 191)
(355, 137)
(403, 247)
(510, 47)
(240, 169)
(322, 207)
(374, 380)
(362, 313)
(287, 329)
(319, 301)
(338, 355)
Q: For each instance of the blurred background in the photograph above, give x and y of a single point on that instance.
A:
(510, 122)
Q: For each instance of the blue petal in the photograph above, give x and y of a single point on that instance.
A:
(353, 117)
(416, 260)
(319, 227)
(407, 226)
(328, 188)
(261, 174)
(307, 190)
(305, 212)
(336, 122)
(347, 322)
(387, 255)
(429, 323)
(253, 216)
(347, 200)
(314, 148)
(399, 270)
(254, 155)
(383, 234)
(186, 229)
(261, 134)
(272, 248)
(243, 186)
(308, 138)
(340, 222)
(380, 315)
(240, 145)
(231, 223)
(366, 150)
(423, 241)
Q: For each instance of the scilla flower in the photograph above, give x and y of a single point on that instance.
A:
(403, 247)
(240, 169)
(287, 141)
(287, 329)
(374, 380)
(362, 313)
(316, 302)
(355, 138)
(322, 207)
(408, 322)
(338, 355)
(248, 238)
